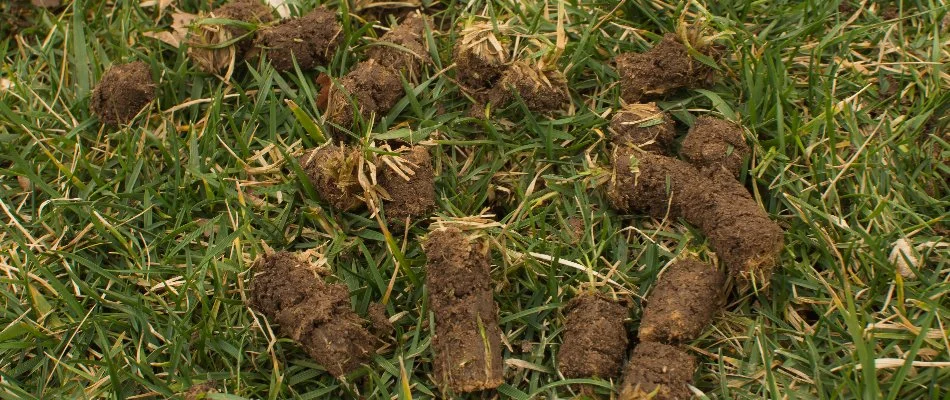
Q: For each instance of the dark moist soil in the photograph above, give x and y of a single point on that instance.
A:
(125, 89)
(467, 339)
(311, 39)
(660, 367)
(645, 126)
(373, 87)
(413, 198)
(542, 91)
(739, 231)
(714, 143)
(595, 339)
(403, 48)
(332, 171)
(682, 303)
(316, 314)
(379, 323)
(381, 9)
(664, 68)
(477, 73)
(203, 47)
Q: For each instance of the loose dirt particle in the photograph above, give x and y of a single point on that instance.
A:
(373, 87)
(480, 59)
(595, 338)
(643, 125)
(333, 172)
(205, 43)
(657, 367)
(664, 68)
(715, 143)
(412, 198)
(311, 40)
(403, 48)
(740, 232)
(467, 339)
(125, 89)
(380, 325)
(316, 314)
(682, 303)
(542, 91)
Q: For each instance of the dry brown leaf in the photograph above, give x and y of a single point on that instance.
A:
(181, 22)
(281, 6)
(5, 84)
(165, 36)
(161, 4)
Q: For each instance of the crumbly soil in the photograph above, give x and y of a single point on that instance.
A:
(403, 48)
(379, 10)
(479, 68)
(739, 230)
(200, 391)
(595, 339)
(125, 89)
(717, 144)
(467, 339)
(316, 314)
(645, 126)
(412, 198)
(664, 68)
(312, 39)
(333, 172)
(379, 323)
(542, 91)
(682, 303)
(374, 89)
(657, 367)
(204, 43)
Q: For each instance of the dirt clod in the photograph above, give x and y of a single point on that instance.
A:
(205, 43)
(316, 314)
(595, 338)
(664, 68)
(715, 143)
(682, 303)
(413, 197)
(125, 89)
(380, 325)
(543, 91)
(311, 39)
(333, 172)
(403, 48)
(643, 125)
(374, 89)
(467, 339)
(480, 59)
(657, 367)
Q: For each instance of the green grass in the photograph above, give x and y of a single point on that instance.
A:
(125, 254)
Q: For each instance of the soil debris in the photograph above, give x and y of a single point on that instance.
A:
(379, 9)
(645, 126)
(208, 45)
(374, 89)
(480, 59)
(403, 48)
(413, 197)
(682, 303)
(543, 91)
(664, 68)
(715, 143)
(595, 339)
(125, 89)
(659, 368)
(380, 325)
(467, 340)
(311, 39)
(334, 173)
(200, 391)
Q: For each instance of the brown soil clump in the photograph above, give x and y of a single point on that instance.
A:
(314, 313)
(413, 197)
(379, 9)
(125, 89)
(664, 68)
(645, 126)
(595, 338)
(683, 302)
(542, 91)
(403, 48)
(204, 44)
(373, 87)
(480, 59)
(657, 367)
(717, 144)
(311, 40)
(379, 323)
(467, 339)
(739, 231)
(333, 172)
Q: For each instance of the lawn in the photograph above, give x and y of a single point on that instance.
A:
(126, 257)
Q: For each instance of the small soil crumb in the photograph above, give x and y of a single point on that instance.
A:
(380, 325)
(316, 314)
(413, 197)
(200, 391)
(595, 339)
(333, 172)
(467, 339)
(741, 233)
(664, 68)
(373, 87)
(542, 91)
(714, 143)
(204, 43)
(657, 367)
(480, 59)
(645, 126)
(311, 40)
(683, 302)
(403, 48)
(125, 89)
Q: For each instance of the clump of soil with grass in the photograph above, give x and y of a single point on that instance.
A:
(595, 338)
(125, 89)
(403, 48)
(333, 172)
(645, 126)
(215, 47)
(739, 231)
(659, 372)
(380, 9)
(311, 40)
(542, 90)
(467, 340)
(717, 144)
(682, 303)
(315, 314)
(480, 59)
(409, 183)
(666, 67)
